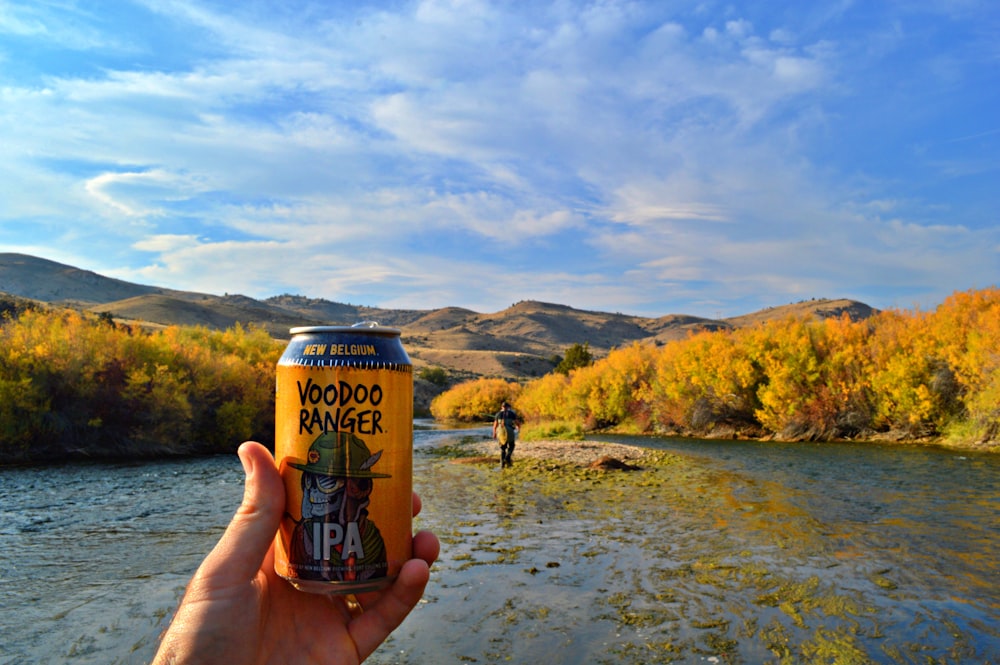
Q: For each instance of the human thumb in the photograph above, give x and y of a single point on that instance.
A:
(239, 553)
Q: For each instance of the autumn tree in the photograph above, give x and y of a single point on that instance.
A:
(545, 398)
(608, 392)
(965, 382)
(75, 385)
(475, 400)
(704, 380)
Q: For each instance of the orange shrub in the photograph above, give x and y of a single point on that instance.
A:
(610, 391)
(75, 383)
(476, 400)
(545, 398)
(704, 379)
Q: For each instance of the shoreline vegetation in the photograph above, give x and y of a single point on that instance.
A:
(82, 386)
(895, 377)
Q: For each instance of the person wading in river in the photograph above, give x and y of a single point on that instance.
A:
(506, 424)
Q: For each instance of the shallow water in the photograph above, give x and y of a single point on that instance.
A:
(722, 552)
(94, 557)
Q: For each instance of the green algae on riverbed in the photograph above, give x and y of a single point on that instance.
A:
(676, 562)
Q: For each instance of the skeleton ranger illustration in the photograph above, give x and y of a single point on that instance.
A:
(334, 537)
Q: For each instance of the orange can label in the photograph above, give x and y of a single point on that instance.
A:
(343, 445)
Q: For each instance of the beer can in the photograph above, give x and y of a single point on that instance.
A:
(344, 448)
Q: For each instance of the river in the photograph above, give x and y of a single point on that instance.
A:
(735, 552)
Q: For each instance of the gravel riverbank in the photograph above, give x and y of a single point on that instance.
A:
(580, 453)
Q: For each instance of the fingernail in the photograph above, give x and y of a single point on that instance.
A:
(247, 464)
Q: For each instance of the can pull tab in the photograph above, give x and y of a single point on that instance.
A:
(366, 324)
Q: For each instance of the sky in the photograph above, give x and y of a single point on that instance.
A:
(705, 158)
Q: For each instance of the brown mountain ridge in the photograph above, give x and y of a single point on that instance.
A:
(516, 343)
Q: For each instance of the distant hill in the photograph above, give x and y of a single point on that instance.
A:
(518, 342)
(56, 283)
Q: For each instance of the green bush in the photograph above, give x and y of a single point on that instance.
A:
(436, 375)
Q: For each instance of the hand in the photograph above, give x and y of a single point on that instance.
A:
(237, 611)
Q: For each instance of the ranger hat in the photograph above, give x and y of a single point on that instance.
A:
(340, 455)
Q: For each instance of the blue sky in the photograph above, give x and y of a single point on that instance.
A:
(707, 158)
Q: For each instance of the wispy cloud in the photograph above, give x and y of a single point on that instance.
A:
(606, 155)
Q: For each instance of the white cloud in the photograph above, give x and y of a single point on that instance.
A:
(739, 28)
(673, 269)
(167, 243)
(14, 21)
(640, 203)
(499, 218)
(680, 146)
(136, 193)
(63, 25)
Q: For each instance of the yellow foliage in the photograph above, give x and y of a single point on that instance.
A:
(707, 376)
(88, 385)
(609, 391)
(911, 372)
(69, 381)
(966, 328)
(814, 376)
(903, 363)
(545, 398)
(475, 400)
